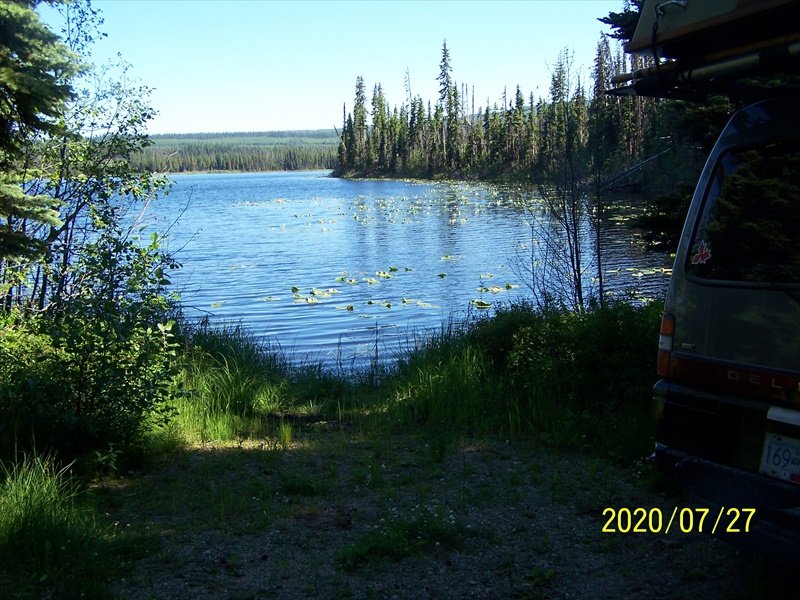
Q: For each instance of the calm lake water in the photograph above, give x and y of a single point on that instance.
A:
(331, 270)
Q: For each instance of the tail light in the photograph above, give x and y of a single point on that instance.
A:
(665, 345)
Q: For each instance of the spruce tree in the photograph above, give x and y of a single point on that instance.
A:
(35, 69)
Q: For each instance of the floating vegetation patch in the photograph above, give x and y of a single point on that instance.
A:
(270, 298)
(345, 278)
(383, 274)
(449, 257)
(323, 293)
(371, 280)
(495, 289)
(383, 303)
(480, 304)
(442, 275)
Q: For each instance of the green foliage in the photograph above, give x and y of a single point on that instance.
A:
(520, 138)
(49, 545)
(425, 530)
(232, 385)
(35, 71)
(571, 380)
(444, 388)
(97, 369)
(87, 334)
(495, 335)
(596, 370)
(624, 23)
(82, 385)
(33, 385)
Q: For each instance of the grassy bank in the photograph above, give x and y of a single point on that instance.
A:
(553, 381)
(561, 379)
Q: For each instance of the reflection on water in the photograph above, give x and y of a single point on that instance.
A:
(333, 270)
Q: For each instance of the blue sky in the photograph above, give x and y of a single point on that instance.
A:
(257, 65)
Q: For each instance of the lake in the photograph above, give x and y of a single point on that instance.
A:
(336, 271)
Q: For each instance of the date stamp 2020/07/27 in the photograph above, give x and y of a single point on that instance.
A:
(729, 520)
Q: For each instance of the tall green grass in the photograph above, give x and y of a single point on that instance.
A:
(49, 544)
(556, 377)
(229, 384)
(234, 387)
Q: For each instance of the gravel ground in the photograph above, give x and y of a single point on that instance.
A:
(493, 520)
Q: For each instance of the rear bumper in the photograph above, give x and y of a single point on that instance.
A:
(711, 446)
(774, 530)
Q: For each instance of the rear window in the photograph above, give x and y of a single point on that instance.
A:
(749, 230)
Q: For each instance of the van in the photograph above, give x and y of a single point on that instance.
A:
(727, 403)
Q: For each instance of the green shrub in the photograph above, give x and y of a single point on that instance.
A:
(567, 379)
(495, 335)
(596, 370)
(76, 385)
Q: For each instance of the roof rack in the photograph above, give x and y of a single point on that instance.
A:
(742, 48)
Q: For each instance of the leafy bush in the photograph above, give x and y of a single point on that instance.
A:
(597, 369)
(495, 335)
(77, 385)
(33, 385)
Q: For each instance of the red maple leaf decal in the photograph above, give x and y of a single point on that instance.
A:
(703, 254)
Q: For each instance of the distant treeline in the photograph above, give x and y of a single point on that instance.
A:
(520, 137)
(254, 151)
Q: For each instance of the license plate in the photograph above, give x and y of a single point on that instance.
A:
(781, 457)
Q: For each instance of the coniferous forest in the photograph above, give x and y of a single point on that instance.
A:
(603, 141)
(249, 152)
